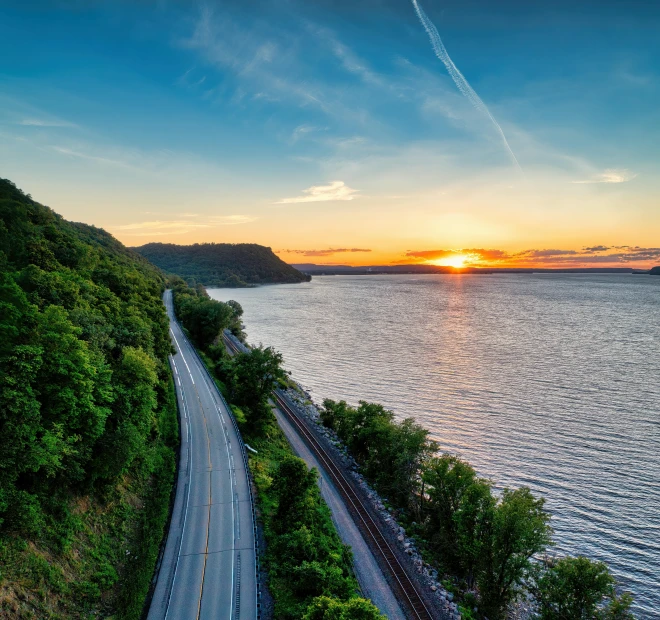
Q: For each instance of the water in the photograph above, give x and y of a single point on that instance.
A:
(550, 381)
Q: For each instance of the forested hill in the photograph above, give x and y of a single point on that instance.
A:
(655, 271)
(222, 264)
(87, 417)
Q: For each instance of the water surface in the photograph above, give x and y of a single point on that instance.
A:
(550, 381)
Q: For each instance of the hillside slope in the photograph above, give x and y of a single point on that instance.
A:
(222, 264)
(87, 417)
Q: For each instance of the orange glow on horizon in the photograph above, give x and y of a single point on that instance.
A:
(457, 261)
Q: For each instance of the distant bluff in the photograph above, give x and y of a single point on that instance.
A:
(655, 271)
(222, 264)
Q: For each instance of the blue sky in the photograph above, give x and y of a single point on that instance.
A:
(310, 126)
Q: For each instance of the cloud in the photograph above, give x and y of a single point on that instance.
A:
(459, 79)
(473, 253)
(40, 122)
(327, 252)
(302, 130)
(179, 227)
(88, 157)
(611, 175)
(336, 190)
(593, 256)
(232, 220)
(547, 253)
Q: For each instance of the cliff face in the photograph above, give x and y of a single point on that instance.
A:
(222, 264)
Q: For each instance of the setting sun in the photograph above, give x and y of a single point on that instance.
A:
(457, 261)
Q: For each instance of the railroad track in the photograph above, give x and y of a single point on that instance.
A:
(403, 584)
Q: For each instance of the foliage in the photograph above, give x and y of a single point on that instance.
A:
(576, 588)
(203, 317)
(326, 608)
(391, 453)
(519, 529)
(305, 557)
(485, 540)
(222, 264)
(85, 405)
(459, 512)
(251, 378)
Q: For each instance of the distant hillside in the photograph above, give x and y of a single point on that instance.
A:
(222, 264)
(87, 417)
(655, 271)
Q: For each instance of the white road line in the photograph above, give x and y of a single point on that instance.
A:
(182, 356)
(185, 514)
(232, 480)
(233, 489)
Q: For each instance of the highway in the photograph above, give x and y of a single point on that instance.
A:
(208, 566)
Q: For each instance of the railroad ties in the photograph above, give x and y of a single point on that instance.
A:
(403, 585)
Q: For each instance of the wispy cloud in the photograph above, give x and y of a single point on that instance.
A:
(89, 157)
(180, 227)
(327, 252)
(302, 130)
(231, 220)
(611, 175)
(335, 190)
(44, 122)
(457, 76)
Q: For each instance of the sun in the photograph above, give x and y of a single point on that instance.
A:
(457, 261)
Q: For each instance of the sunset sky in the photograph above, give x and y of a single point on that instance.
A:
(334, 132)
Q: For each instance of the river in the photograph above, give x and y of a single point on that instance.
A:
(550, 381)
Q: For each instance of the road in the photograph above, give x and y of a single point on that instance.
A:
(208, 566)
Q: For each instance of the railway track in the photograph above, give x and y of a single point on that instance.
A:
(402, 584)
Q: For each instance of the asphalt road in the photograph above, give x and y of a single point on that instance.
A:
(208, 567)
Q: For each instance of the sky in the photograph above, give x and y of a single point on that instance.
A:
(362, 132)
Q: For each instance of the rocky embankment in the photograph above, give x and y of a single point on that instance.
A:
(427, 575)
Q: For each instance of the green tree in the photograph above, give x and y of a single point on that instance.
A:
(448, 481)
(292, 485)
(518, 530)
(576, 588)
(85, 396)
(327, 608)
(252, 377)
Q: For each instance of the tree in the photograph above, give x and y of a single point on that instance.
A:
(292, 485)
(252, 377)
(518, 530)
(576, 588)
(447, 481)
(204, 318)
(327, 608)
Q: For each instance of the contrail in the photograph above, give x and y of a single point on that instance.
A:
(457, 76)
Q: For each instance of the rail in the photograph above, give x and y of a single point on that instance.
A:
(402, 581)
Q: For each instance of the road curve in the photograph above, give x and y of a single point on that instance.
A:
(208, 566)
